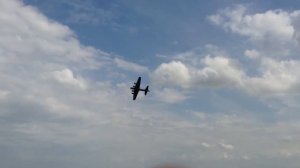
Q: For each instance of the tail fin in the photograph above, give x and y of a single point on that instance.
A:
(146, 90)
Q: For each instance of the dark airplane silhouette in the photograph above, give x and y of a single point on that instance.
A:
(136, 88)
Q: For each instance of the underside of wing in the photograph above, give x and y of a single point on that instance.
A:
(135, 93)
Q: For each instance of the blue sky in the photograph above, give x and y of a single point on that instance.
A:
(224, 81)
(138, 29)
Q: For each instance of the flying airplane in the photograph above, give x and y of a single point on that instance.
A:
(136, 88)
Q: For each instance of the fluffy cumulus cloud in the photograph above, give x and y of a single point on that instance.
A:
(274, 31)
(66, 76)
(270, 74)
(274, 72)
(46, 98)
(278, 77)
(256, 26)
(216, 72)
(173, 73)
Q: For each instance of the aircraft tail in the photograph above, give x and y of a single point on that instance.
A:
(146, 90)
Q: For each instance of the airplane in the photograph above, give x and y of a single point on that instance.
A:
(136, 88)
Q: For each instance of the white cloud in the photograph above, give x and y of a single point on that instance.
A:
(174, 73)
(27, 34)
(278, 77)
(227, 146)
(253, 54)
(219, 71)
(46, 120)
(66, 76)
(206, 145)
(216, 72)
(272, 32)
(296, 23)
(130, 66)
(42, 62)
(274, 78)
(274, 75)
(169, 95)
(256, 26)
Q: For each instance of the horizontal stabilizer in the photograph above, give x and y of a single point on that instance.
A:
(146, 90)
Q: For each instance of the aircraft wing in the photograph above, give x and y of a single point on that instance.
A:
(135, 93)
(136, 88)
(138, 83)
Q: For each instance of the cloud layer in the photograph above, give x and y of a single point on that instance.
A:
(275, 72)
(55, 112)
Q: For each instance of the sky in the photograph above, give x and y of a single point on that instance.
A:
(224, 81)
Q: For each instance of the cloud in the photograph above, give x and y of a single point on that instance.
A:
(173, 73)
(227, 146)
(274, 77)
(219, 71)
(278, 77)
(276, 40)
(130, 66)
(169, 95)
(256, 26)
(43, 96)
(215, 72)
(28, 33)
(56, 114)
(66, 76)
(273, 73)
(206, 145)
(252, 54)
